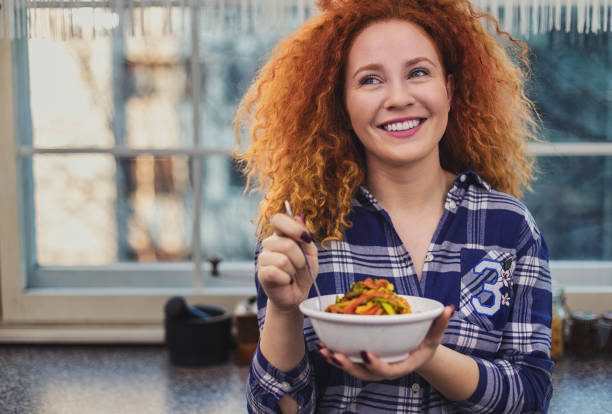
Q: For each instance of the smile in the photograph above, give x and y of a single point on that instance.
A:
(402, 126)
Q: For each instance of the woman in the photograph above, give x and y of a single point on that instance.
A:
(397, 130)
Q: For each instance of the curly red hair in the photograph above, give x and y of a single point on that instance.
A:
(301, 146)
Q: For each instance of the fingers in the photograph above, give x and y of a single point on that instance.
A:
(276, 245)
(390, 371)
(373, 368)
(343, 362)
(275, 268)
(309, 247)
(283, 225)
(281, 256)
(279, 260)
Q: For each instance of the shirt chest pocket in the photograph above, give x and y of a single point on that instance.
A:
(486, 287)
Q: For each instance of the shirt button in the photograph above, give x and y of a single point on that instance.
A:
(284, 385)
(429, 257)
(462, 178)
(452, 205)
(416, 388)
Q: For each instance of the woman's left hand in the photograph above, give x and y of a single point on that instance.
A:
(373, 369)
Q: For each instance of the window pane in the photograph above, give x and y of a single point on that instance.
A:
(111, 91)
(229, 64)
(70, 94)
(572, 204)
(156, 97)
(227, 232)
(96, 210)
(572, 85)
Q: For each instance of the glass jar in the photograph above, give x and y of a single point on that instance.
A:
(559, 322)
(605, 325)
(584, 339)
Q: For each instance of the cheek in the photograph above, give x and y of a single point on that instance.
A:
(355, 111)
(439, 101)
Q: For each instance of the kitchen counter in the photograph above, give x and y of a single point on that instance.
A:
(45, 379)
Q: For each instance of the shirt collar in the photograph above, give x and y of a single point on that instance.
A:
(367, 200)
(472, 178)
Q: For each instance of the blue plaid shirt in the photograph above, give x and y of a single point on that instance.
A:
(487, 258)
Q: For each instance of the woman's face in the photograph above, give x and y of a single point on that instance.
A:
(396, 93)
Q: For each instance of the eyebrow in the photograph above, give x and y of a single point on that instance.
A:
(377, 66)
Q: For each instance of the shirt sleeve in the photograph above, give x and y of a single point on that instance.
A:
(519, 378)
(267, 384)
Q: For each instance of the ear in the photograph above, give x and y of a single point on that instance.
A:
(450, 88)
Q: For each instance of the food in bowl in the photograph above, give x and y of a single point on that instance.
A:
(389, 337)
(370, 297)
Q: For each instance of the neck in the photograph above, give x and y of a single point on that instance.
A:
(409, 188)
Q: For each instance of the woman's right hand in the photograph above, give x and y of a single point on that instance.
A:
(281, 267)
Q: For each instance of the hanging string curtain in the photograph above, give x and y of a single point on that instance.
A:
(63, 19)
(92, 18)
(531, 17)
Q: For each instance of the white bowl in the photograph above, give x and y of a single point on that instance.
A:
(389, 337)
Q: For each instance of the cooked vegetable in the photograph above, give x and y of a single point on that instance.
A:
(370, 297)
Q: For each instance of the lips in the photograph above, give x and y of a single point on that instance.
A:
(402, 127)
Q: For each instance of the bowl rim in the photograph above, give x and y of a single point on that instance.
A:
(371, 319)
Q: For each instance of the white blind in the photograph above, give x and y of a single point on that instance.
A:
(91, 18)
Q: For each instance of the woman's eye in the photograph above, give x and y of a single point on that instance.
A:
(369, 80)
(417, 73)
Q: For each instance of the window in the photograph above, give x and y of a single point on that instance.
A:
(119, 173)
(572, 197)
(120, 146)
(123, 147)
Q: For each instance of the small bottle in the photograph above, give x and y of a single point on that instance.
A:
(605, 325)
(584, 337)
(559, 321)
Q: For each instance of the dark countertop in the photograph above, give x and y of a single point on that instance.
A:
(41, 379)
(113, 380)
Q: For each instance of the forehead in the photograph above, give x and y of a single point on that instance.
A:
(391, 39)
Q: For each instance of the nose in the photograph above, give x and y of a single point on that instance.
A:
(399, 95)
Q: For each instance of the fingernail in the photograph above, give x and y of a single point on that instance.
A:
(336, 361)
(306, 237)
(321, 353)
(452, 310)
(365, 357)
(301, 216)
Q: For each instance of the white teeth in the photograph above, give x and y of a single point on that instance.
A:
(402, 126)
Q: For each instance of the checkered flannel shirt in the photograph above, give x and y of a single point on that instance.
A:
(487, 258)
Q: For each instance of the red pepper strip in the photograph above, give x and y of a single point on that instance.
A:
(350, 308)
(369, 283)
(373, 310)
(356, 302)
(382, 283)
